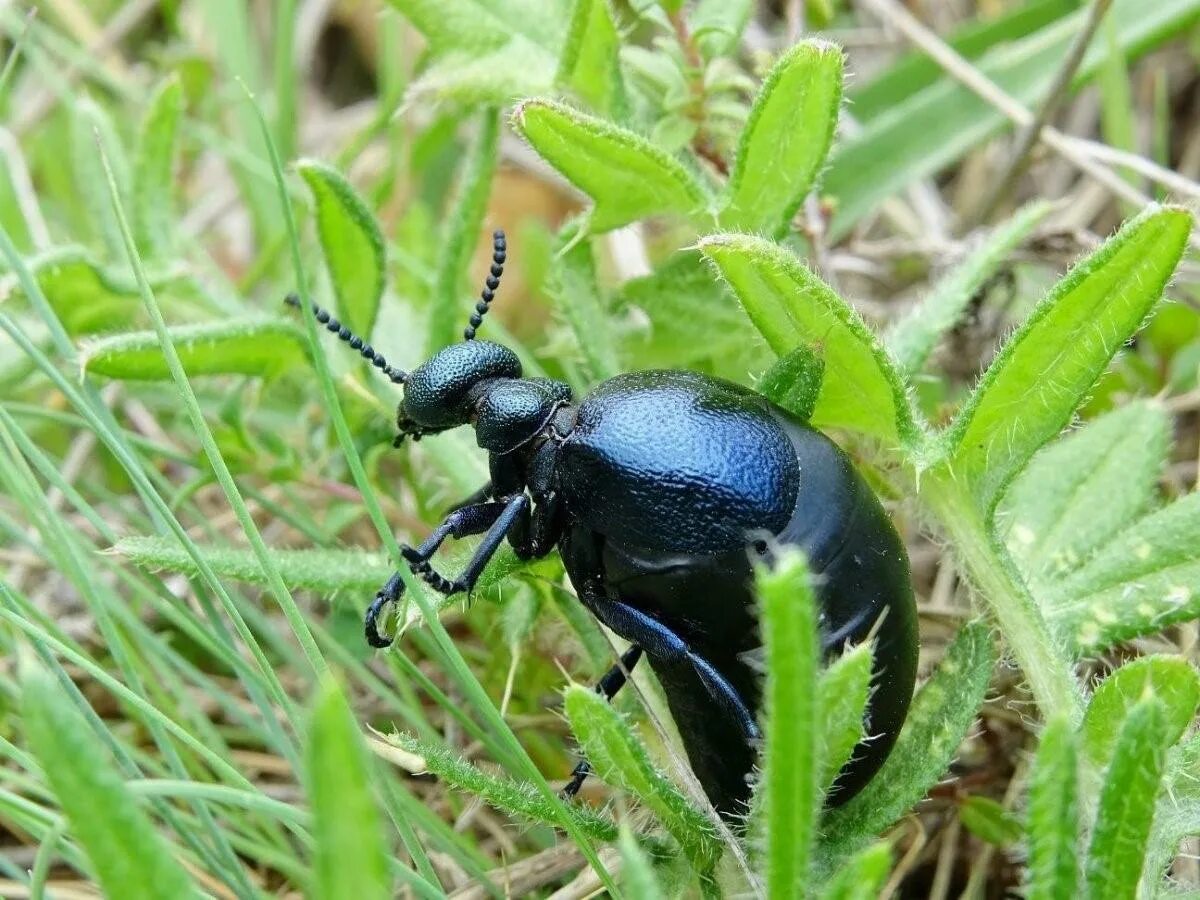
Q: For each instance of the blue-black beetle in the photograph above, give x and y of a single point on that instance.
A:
(660, 490)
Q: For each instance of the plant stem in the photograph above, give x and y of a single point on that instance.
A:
(1046, 665)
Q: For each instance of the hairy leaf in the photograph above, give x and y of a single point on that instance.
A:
(589, 65)
(1082, 489)
(786, 138)
(620, 759)
(914, 337)
(351, 857)
(843, 692)
(861, 877)
(1052, 817)
(1029, 393)
(794, 382)
(130, 858)
(86, 297)
(573, 286)
(91, 128)
(153, 169)
(792, 307)
(627, 177)
(352, 244)
(248, 346)
(637, 871)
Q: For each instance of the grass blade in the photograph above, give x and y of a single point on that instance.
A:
(788, 797)
(786, 139)
(1028, 394)
(792, 307)
(351, 856)
(352, 244)
(130, 857)
(1052, 818)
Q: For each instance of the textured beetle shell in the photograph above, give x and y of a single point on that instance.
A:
(513, 410)
(697, 578)
(438, 393)
(657, 447)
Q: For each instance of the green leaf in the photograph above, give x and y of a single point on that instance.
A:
(842, 693)
(914, 337)
(352, 243)
(89, 125)
(989, 821)
(589, 65)
(128, 854)
(786, 139)
(941, 714)
(862, 876)
(497, 77)
(1081, 490)
(920, 135)
(351, 857)
(1144, 579)
(1030, 391)
(1127, 801)
(461, 234)
(235, 346)
(637, 871)
(1052, 817)
(627, 177)
(325, 571)
(1171, 680)
(717, 25)
(787, 797)
(153, 169)
(792, 307)
(794, 382)
(479, 25)
(86, 297)
(572, 285)
(620, 759)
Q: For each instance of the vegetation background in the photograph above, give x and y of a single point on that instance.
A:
(196, 503)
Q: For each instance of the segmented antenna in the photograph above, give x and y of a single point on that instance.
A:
(356, 343)
(488, 294)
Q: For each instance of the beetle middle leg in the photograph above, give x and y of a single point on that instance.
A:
(607, 687)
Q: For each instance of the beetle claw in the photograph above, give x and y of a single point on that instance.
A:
(389, 593)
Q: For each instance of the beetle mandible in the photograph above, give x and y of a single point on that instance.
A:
(661, 490)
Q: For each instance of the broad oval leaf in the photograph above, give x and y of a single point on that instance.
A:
(619, 758)
(792, 307)
(1029, 393)
(627, 177)
(86, 297)
(1173, 682)
(1144, 579)
(787, 797)
(1083, 489)
(786, 139)
(1128, 798)
(1052, 816)
(249, 346)
(941, 714)
(153, 175)
(474, 26)
(352, 243)
(914, 337)
(351, 855)
(589, 65)
(130, 857)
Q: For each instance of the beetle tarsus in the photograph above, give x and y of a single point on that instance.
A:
(388, 594)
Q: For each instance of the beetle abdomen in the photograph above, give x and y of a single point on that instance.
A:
(677, 462)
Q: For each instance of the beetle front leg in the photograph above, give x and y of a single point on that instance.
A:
(509, 515)
(607, 687)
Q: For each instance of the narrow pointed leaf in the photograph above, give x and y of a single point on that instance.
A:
(914, 337)
(989, 821)
(941, 714)
(786, 139)
(1081, 490)
(237, 346)
(1144, 579)
(627, 177)
(1029, 393)
(794, 382)
(153, 169)
(792, 307)
(461, 236)
(843, 692)
(787, 797)
(589, 65)
(1052, 817)
(620, 759)
(576, 292)
(129, 856)
(351, 856)
(1173, 682)
(862, 876)
(352, 244)
(91, 124)
(1127, 801)
(637, 871)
